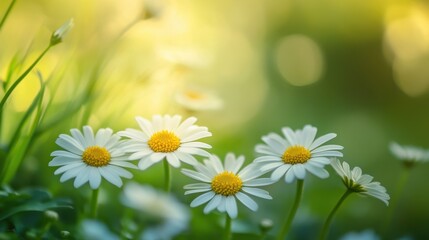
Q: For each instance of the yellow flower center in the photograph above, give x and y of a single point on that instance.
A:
(164, 141)
(226, 183)
(296, 154)
(96, 156)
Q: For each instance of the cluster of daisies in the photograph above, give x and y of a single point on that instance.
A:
(89, 157)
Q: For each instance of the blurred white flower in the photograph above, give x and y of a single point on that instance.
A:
(92, 229)
(59, 34)
(364, 235)
(195, 99)
(295, 153)
(183, 58)
(89, 158)
(165, 137)
(358, 183)
(224, 183)
(174, 215)
(409, 154)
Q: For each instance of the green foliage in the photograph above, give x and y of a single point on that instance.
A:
(24, 215)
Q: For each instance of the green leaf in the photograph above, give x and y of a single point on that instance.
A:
(34, 206)
(28, 200)
(19, 143)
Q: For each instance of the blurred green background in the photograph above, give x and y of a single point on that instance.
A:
(356, 68)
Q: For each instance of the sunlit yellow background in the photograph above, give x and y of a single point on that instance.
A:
(356, 68)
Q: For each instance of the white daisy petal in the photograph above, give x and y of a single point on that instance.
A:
(60, 161)
(271, 166)
(196, 175)
(328, 154)
(310, 132)
(202, 199)
(289, 134)
(318, 171)
(221, 207)
(69, 166)
(264, 149)
(94, 178)
(195, 151)
(134, 135)
(195, 145)
(140, 154)
(267, 159)
(156, 157)
(71, 173)
(89, 135)
(110, 176)
(61, 153)
(120, 171)
(197, 186)
(299, 170)
(186, 124)
(145, 125)
(213, 203)
(321, 140)
(82, 177)
(173, 160)
(79, 137)
(280, 172)
(257, 192)
(196, 191)
(258, 182)
(231, 206)
(69, 146)
(327, 148)
(186, 158)
(247, 201)
(123, 164)
(290, 176)
(145, 164)
(199, 133)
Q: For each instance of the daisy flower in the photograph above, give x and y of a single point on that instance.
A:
(222, 184)
(165, 137)
(167, 216)
(358, 183)
(195, 99)
(296, 153)
(88, 157)
(409, 154)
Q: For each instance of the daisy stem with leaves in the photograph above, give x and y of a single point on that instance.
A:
(328, 220)
(94, 203)
(286, 226)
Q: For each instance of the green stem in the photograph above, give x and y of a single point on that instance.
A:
(94, 203)
(127, 218)
(6, 14)
(167, 177)
(19, 80)
(228, 225)
(394, 201)
(286, 226)
(328, 220)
